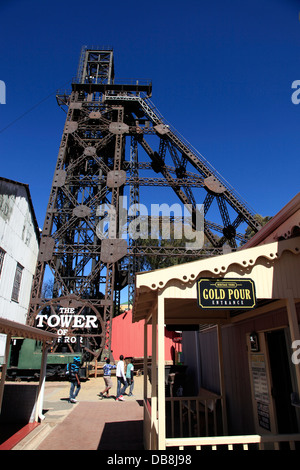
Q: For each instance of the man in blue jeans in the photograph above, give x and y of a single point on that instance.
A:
(74, 379)
(121, 379)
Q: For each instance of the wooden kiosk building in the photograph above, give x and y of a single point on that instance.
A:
(22, 403)
(242, 359)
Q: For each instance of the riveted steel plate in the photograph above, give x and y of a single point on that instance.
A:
(71, 127)
(46, 248)
(82, 211)
(115, 179)
(118, 128)
(162, 129)
(59, 178)
(214, 185)
(113, 249)
(89, 151)
(76, 105)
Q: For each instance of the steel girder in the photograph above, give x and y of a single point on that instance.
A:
(108, 128)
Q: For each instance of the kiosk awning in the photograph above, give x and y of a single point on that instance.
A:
(8, 327)
(272, 267)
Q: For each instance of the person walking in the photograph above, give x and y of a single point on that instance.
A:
(107, 378)
(74, 379)
(121, 379)
(129, 376)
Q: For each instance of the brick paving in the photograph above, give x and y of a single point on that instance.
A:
(92, 423)
(107, 425)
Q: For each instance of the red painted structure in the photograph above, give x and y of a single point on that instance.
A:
(128, 338)
(18, 436)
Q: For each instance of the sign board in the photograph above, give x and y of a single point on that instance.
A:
(261, 390)
(263, 416)
(259, 376)
(226, 293)
(65, 322)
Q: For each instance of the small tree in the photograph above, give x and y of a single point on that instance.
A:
(249, 233)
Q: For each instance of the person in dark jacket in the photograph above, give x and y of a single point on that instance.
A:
(74, 379)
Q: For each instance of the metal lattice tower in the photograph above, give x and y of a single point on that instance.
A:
(113, 136)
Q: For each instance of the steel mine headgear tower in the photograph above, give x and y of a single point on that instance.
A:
(115, 140)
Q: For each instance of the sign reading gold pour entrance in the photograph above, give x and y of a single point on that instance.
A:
(226, 293)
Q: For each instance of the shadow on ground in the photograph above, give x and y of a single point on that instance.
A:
(115, 436)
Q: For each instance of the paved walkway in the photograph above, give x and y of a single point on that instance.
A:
(90, 424)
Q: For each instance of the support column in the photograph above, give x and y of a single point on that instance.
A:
(40, 395)
(222, 381)
(161, 373)
(4, 369)
(294, 329)
(145, 361)
(154, 382)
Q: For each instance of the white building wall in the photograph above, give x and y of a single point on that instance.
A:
(19, 240)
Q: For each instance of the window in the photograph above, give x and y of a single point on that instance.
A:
(17, 283)
(2, 254)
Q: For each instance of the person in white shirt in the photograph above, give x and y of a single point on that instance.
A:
(121, 379)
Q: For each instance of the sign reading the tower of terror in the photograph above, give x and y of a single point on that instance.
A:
(226, 293)
(65, 322)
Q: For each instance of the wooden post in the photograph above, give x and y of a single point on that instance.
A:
(154, 382)
(40, 395)
(294, 329)
(4, 369)
(161, 373)
(222, 380)
(145, 362)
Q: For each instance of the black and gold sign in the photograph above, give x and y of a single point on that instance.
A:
(226, 293)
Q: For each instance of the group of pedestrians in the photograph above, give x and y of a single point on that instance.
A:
(124, 379)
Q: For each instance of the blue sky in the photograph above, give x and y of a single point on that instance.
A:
(221, 71)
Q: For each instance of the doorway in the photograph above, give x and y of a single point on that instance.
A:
(281, 382)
